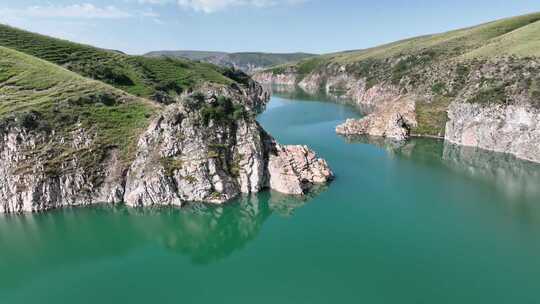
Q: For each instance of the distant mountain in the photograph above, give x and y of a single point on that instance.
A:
(247, 62)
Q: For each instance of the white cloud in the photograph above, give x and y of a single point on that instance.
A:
(152, 1)
(78, 11)
(210, 6)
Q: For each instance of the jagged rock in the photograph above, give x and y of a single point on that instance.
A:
(294, 169)
(393, 119)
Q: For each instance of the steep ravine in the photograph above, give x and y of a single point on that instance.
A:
(187, 153)
(491, 104)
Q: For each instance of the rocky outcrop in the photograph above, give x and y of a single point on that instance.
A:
(178, 162)
(513, 129)
(393, 119)
(295, 169)
(187, 154)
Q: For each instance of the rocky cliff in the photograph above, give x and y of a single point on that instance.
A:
(106, 146)
(181, 157)
(471, 87)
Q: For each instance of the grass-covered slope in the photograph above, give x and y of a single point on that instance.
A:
(39, 96)
(155, 78)
(496, 38)
(519, 36)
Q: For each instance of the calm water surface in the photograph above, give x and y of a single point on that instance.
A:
(422, 222)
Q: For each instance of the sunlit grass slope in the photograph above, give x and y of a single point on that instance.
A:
(138, 75)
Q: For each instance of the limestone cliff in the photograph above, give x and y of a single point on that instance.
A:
(513, 129)
(206, 147)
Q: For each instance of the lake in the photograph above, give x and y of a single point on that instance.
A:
(415, 222)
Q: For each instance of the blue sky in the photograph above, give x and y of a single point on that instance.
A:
(319, 26)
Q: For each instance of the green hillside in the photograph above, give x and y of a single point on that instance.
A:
(495, 62)
(519, 36)
(40, 96)
(464, 42)
(156, 78)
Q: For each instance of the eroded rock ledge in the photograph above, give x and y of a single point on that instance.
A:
(393, 119)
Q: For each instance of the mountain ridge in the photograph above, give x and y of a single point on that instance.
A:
(248, 62)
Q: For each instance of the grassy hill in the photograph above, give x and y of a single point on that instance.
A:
(154, 78)
(246, 61)
(495, 62)
(519, 36)
(40, 96)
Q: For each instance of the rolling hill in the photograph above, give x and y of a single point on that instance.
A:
(160, 79)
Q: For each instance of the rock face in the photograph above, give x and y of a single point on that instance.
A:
(338, 84)
(510, 129)
(282, 79)
(182, 157)
(30, 184)
(393, 119)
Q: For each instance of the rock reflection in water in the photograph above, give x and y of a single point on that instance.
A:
(514, 178)
(207, 233)
(297, 93)
(203, 233)
(518, 179)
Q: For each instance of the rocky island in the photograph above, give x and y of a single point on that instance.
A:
(81, 125)
(477, 86)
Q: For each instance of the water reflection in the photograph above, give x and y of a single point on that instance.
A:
(517, 178)
(514, 178)
(296, 93)
(38, 243)
(206, 233)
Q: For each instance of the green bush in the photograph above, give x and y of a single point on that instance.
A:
(438, 88)
(492, 95)
(223, 110)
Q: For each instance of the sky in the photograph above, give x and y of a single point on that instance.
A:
(316, 26)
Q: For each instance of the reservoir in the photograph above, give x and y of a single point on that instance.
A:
(416, 222)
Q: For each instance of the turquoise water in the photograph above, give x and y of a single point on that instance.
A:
(422, 222)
